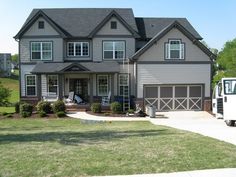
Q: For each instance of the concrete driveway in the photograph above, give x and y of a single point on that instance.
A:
(199, 122)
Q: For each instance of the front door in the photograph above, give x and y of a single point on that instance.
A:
(80, 87)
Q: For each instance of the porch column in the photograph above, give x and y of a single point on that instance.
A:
(90, 88)
(112, 87)
(60, 86)
(39, 87)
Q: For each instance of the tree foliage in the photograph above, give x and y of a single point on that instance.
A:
(14, 58)
(4, 95)
(227, 59)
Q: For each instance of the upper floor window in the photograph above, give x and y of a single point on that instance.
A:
(113, 50)
(30, 85)
(174, 49)
(41, 50)
(77, 49)
(41, 24)
(113, 25)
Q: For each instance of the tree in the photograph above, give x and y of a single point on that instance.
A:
(4, 95)
(14, 58)
(226, 61)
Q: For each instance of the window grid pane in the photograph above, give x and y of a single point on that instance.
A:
(52, 84)
(41, 50)
(175, 50)
(102, 85)
(113, 50)
(30, 85)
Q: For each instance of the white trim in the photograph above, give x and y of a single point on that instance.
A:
(168, 50)
(74, 49)
(26, 85)
(107, 86)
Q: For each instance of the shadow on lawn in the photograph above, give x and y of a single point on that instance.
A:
(77, 138)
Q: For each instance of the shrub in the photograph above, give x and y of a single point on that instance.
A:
(4, 113)
(42, 114)
(131, 111)
(17, 107)
(116, 107)
(26, 109)
(25, 114)
(58, 106)
(4, 95)
(61, 114)
(96, 108)
(44, 106)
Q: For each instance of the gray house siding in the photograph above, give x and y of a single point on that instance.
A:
(5, 64)
(25, 48)
(173, 74)
(157, 51)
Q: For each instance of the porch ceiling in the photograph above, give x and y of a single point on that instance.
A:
(82, 67)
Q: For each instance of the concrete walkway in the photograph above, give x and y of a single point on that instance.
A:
(86, 116)
(225, 172)
(198, 122)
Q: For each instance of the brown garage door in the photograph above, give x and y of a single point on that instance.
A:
(173, 97)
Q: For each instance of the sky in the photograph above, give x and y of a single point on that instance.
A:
(213, 19)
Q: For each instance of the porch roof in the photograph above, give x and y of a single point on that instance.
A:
(76, 67)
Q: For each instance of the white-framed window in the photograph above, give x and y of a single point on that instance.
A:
(123, 84)
(52, 81)
(113, 50)
(174, 49)
(41, 50)
(102, 85)
(77, 49)
(30, 85)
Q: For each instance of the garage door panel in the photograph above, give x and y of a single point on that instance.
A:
(174, 97)
(166, 92)
(166, 103)
(181, 104)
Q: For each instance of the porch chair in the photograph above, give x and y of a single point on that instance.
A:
(106, 99)
(70, 98)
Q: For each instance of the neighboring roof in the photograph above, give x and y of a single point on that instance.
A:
(165, 30)
(149, 27)
(86, 67)
(80, 22)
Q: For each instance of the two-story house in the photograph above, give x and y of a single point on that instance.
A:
(95, 51)
(5, 64)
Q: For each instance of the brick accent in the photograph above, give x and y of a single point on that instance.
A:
(207, 105)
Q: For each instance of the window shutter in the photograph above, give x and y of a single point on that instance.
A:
(167, 48)
(182, 52)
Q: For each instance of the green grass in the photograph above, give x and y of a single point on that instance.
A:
(7, 109)
(67, 147)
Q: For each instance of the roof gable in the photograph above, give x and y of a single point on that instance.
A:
(34, 18)
(164, 31)
(119, 18)
(74, 67)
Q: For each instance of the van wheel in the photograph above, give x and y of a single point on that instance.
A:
(230, 122)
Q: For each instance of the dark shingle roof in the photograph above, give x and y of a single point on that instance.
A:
(80, 22)
(149, 27)
(91, 67)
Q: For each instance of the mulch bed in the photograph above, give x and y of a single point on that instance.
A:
(33, 116)
(108, 114)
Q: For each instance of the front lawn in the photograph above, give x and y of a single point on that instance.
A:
(68, 147)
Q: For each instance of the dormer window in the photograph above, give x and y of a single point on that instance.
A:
(174, 49)
(113, 25)
(41, 24)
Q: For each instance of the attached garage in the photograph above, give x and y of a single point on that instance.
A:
(174, 97)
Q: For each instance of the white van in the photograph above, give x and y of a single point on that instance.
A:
(224, 100)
